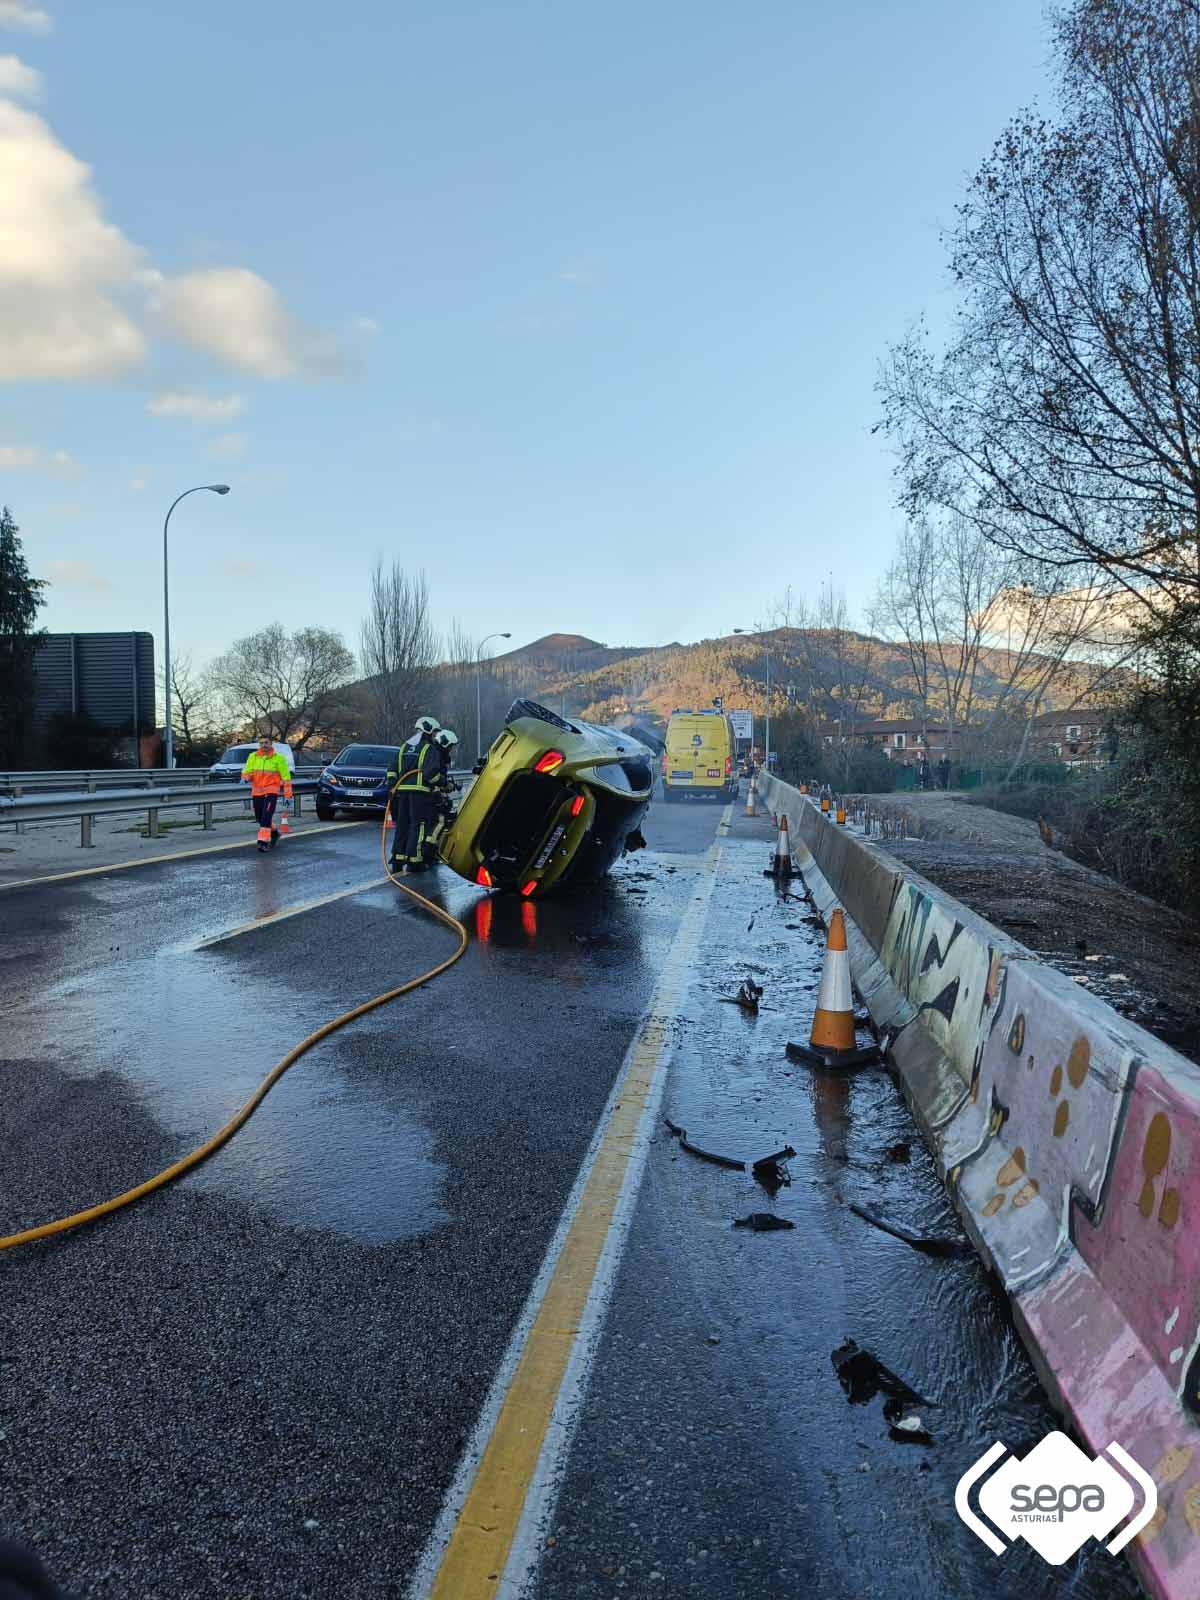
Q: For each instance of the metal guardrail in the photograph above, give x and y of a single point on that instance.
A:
(169, 797)
(18, 783)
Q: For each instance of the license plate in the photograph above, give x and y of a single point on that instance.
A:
(549, 846)
(681, 774)
(714, 772)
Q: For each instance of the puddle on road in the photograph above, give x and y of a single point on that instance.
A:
(326, 1149)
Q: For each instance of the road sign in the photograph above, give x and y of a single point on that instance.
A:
(743, 724)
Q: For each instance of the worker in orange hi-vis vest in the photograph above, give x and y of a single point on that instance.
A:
(268, 775)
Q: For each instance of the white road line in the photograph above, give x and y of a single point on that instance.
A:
(282, 916)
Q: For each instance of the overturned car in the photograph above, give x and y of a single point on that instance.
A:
(555, 803)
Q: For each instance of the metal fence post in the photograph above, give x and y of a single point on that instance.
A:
(296, 805)
(85, 833)
(153, 831)
(206, 808)
(18, 791)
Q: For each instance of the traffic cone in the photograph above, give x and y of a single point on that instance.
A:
(284, 825)
(803, 788)
(840, 816)
(832, 1042)
(782, 867)
(825, 804)
(750, 795)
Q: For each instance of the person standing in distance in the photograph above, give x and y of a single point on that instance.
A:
(268, 774)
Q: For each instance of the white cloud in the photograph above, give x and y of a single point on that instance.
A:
(233, 314)
(579, 275)
(75, 293)
(196, 405)
(239, 567)
(367, 326)
(28, 458)
(228, 446)
(76, 575)
(21, 81)
(26, 16)
(62, 265)
(140, 479)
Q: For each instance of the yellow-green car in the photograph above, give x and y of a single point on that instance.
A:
(556, 803)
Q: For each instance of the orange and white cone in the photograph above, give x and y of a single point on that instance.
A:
(825, 804)
(782, 867)
(750, 797)
(840, 816)
(832, 1042)
(284, 825)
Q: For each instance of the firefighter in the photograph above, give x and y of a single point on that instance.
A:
(441, 783)
(268, 774)
(412, 797)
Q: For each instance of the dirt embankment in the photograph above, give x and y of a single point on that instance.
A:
(1139, 956)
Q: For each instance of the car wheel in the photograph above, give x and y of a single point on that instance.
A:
(325, 813)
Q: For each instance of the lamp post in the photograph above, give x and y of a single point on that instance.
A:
(168, 735)
(766, 712)
(478, 717)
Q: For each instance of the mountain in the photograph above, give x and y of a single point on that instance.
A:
(813, 668)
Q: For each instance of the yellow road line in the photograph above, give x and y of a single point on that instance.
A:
(150, 861)
(478, 1548)
(288, 911)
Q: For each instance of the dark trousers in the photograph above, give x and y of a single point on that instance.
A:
(264, 810)
(413, 814)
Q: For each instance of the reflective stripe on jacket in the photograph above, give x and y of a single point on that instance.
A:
(268, 774)
(416, 766)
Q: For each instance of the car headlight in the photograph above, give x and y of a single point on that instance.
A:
(328, 777)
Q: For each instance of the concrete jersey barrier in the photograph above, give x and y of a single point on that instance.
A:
(1070, 1140)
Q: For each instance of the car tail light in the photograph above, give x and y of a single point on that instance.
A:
(484, 877)
(549, 761)
(578, 804)
(528, 888)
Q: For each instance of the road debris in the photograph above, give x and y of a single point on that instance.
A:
(906, 1426)
(862, 1375)
(748, 996)
(704, 1155)
(930, 1245)
(771, 1172)
(763, 1222)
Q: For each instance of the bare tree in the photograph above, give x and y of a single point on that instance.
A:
(399, 649)
(1064, 416)
(195, 711)
(286, 685)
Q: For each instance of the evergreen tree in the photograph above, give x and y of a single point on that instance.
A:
(20, 601)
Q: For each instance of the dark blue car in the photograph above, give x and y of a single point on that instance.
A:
(356, 780)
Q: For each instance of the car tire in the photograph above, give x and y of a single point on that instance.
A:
(325, 813)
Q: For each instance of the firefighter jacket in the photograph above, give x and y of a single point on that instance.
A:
(268, 774)
(419, 767)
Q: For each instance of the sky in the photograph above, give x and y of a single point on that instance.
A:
(577, 309)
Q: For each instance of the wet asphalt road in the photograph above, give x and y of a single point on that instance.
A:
(259, 1382)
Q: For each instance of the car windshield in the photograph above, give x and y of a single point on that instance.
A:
(236, 753)
(367, 755)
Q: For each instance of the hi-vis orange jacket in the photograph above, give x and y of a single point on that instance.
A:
(268, 774)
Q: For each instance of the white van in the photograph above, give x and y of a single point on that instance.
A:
(229, 768)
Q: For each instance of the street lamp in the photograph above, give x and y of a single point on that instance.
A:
(478, 719)
(767, 716)
(168, 736)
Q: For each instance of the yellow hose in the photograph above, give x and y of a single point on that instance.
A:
(240, 1118)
